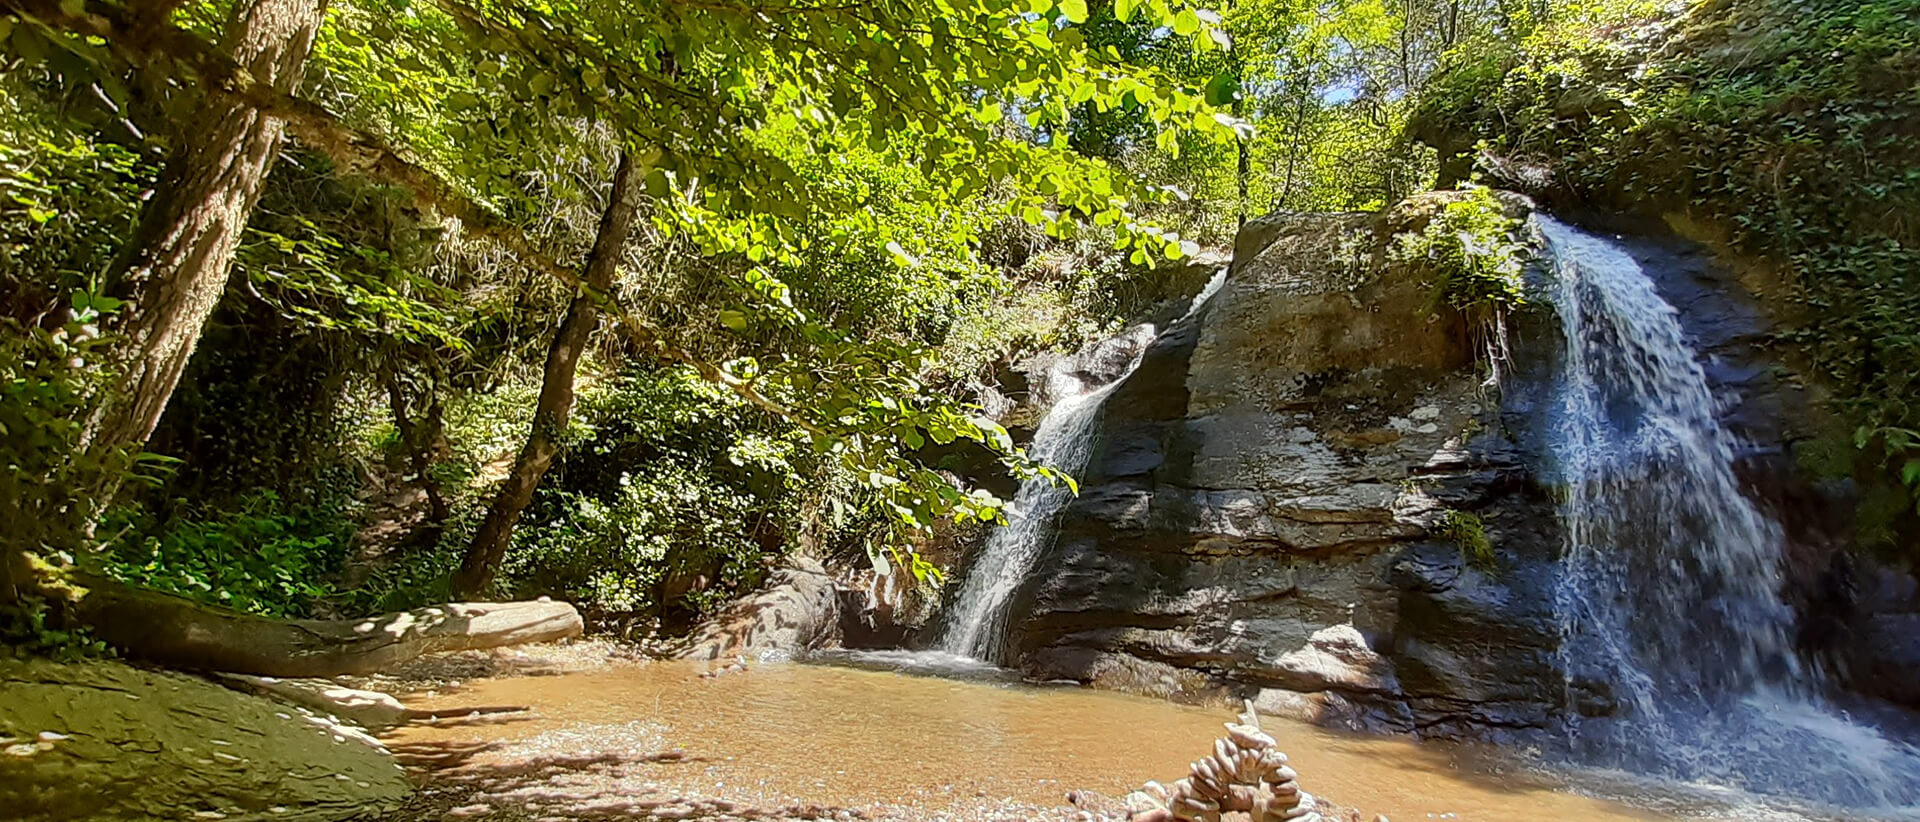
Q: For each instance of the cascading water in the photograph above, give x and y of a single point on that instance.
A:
(1671, 596)
(976, 623)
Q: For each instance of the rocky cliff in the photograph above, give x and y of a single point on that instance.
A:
(1278, 503)
(1311, 493)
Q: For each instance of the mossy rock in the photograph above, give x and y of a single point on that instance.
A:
(105, 740)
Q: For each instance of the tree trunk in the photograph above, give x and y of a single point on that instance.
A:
(419, 440)
(178, 261)
(556, 389)
(180, 633)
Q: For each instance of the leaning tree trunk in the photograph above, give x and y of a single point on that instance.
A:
(179, 257)
(177, 632)
(556, 389)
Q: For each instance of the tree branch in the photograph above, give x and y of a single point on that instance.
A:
(370, 154)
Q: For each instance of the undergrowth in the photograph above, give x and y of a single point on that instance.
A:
(1786, 126)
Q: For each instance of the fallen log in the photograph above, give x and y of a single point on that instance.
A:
(180, 633)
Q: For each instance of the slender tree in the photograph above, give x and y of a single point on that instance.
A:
(177, 263)
(555, 404)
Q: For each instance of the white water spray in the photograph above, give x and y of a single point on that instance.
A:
(975, 624)
(1671, 595)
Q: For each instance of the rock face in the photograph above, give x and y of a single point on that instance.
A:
(1287, 498)
(103, 740)
(1265, 514)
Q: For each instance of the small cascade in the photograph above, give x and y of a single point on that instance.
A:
(1670, 604)
(975, 624)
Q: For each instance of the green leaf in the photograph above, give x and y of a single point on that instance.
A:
(1123, 10)
(1186, 23)
(1222, 89)
(734, 319)
(1076, 10)
(1910, 474)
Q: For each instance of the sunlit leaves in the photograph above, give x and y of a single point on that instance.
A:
(735, 103)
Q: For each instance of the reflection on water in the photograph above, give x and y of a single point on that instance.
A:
(854, 736)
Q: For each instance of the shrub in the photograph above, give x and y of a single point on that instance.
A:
(668, 498)
(1472, 245)
(267, 557)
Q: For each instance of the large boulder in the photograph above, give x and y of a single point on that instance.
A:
(104, 740)
(798, 611)
(1266, 513)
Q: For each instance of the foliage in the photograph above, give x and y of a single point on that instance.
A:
(31, 628)
(1469, 531)
(670, 495)
(824, 274)
(68, 197)
(267, 557)
(1474, 248)
(1784, 126)
(45, 383)
(46, 479)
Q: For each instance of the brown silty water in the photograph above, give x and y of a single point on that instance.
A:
(912, 747)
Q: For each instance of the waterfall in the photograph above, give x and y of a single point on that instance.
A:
(1670, 603)
(975, 624)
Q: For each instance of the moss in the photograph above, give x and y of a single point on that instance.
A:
(1469, 531)
(1785, 124)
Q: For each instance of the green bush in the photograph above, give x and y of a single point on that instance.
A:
(267, 557)
(1473, 246)
(50, 487)
(670, 494)
(68, 199)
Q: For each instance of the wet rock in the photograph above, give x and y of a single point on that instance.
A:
(1887, 663)
(1263, 508)
(110, 741)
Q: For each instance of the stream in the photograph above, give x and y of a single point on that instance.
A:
(922, 747)
(1676, 642)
